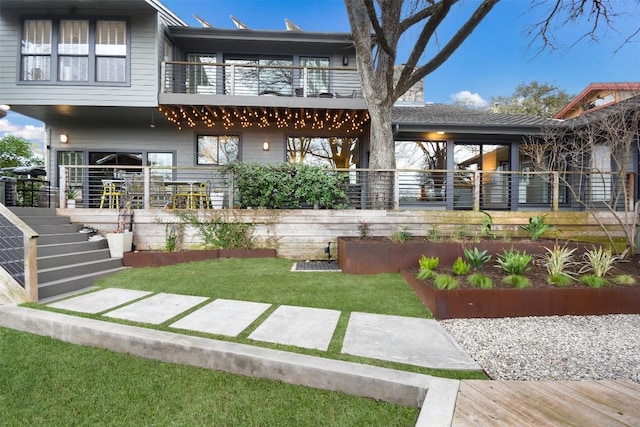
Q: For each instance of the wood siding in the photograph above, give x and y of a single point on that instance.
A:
(303, 234)
(144, 70)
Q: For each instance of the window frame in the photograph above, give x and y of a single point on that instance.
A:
(54, 75)
(218, 136)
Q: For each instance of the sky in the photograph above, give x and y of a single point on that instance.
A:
(498, 56)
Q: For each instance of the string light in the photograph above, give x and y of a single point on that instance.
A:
(261, 117)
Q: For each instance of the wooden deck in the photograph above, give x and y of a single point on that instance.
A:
(547, 403)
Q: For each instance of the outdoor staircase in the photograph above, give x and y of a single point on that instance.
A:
(67, 260)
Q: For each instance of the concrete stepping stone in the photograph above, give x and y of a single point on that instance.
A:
(409, 340)
(222, 317)
(298, 326)
(156, 309)
(96, 302)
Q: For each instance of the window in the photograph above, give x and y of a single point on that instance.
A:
(161, 164)
(82, 51)
(201, 78)
(111, 51)
(217, 149)
(317, 79)
(258, 76)
(72, 158)
(36, 50)
(334, 152)
(73, 51)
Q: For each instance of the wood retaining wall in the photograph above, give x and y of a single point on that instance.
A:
(304, 234)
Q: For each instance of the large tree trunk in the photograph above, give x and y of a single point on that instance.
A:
(382, 158)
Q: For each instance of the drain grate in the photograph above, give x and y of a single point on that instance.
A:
(315, 266)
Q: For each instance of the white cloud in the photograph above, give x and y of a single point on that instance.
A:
(31, 133)
(469, 99)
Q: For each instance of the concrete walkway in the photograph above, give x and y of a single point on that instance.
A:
(414, 341)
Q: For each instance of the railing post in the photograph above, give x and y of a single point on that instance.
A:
(63, 187)
(31, 267)
(233, 79)
(231, 185)
(163, 77)
(556, 191)
(476, 190)
(146, 196)
(396, 189)
(305, 78)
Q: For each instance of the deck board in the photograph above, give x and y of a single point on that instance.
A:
(547, 403)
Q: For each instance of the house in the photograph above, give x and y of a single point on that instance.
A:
(122, 85)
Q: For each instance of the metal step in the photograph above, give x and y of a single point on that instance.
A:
(32, 221)
(56, 228)
(28, 211)
(66, 248)
(52, 239)
(71, 284)
(77, 269)
(71, 258)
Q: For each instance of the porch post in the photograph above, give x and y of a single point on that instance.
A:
(556, 191)
(476, 190)
(146, 196)
(63, 187)
(396, 189)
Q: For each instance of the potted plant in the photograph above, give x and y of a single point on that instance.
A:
(72, 195)
(121, 240)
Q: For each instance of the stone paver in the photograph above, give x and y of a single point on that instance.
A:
(299, 326)
(96, 302)
(157, 308)
(414, 341)
(222, 317)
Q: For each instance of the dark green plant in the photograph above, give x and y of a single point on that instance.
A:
(480, 281)
(217, 233)
(365, 230)
(401, 235)
(475, 258)
(425, 274)
(170, 237)
(486, 229)
(460, 267)
(560, 279)
(444, 281)
(514, 262)
(434, 235)
(287, 186)
(537, 227)
(517, 281)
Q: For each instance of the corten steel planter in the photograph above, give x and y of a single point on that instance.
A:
(157, 259)
(380, 255)
(469, 303)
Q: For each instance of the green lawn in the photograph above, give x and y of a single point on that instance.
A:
(48, 382)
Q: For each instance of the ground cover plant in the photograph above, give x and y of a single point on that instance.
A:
(48, 382)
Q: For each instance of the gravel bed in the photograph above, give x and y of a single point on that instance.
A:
(552, 348)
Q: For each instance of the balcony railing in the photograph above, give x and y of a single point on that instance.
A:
(211, 188)
(255, 80)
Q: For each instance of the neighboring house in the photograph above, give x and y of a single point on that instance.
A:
(597, 96)
(128, 83)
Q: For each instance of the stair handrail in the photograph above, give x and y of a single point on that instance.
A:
(20, 283)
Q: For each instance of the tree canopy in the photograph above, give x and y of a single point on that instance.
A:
(533, 99)
(16, 152)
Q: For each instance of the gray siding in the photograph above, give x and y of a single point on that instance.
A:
(143, 78)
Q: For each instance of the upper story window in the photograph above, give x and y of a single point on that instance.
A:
(82, 50)
(217, 149)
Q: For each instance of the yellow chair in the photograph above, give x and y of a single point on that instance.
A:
(200, 197)
(111, 192)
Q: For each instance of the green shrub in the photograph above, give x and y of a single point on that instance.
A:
(624, 279)
(536, 227)
(480, 281)
(401, 235)
(460, 267)
(594, 281)
(430, 263)
(425, 274)
(486, 229)
(560, 279)
(444, 281)
(475, 258)
(517, 281)
(218, 233)
(513, 262)
(287, 185)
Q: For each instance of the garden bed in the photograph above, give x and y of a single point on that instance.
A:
(541, 299)
(160, 258)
